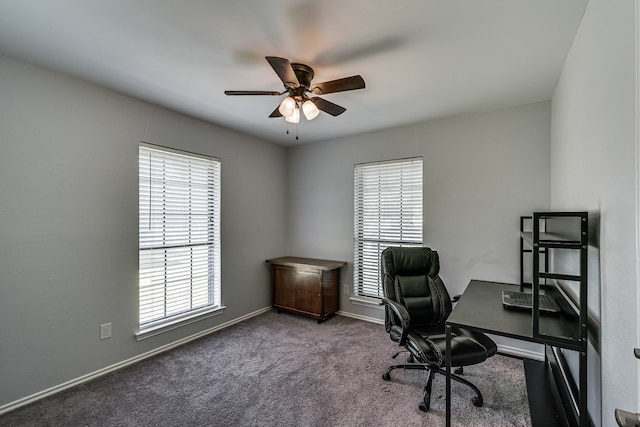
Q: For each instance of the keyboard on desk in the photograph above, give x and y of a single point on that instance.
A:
(514, 299)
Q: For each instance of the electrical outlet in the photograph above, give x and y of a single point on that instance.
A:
(105, 331)
(345, 289)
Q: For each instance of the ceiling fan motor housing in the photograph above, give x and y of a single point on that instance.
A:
(304, 73)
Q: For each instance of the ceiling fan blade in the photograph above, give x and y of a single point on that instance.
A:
(328, 107)
(339, 85)
(283, 69)
(251, 92)
(276, 112)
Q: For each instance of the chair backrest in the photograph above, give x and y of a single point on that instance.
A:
(410, 276)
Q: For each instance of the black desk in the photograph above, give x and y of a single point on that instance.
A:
(480, 308)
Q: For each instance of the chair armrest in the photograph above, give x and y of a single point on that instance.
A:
(398, 309)
(420, 341)
(403, 316)
(414, 347)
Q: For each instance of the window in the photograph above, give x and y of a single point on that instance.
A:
(387, 212)
(179, 236)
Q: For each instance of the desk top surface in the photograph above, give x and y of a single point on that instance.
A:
(480, 308)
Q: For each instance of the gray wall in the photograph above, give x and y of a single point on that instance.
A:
(68, 223)
(594, 167)
(68, 217)
(481, 172)
(68, 204)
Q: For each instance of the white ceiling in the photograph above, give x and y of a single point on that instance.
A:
(420, 59)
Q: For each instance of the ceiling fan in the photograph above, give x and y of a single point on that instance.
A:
(297, 82)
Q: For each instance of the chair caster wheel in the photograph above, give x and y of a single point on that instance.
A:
(386, 376)
(423, 407)
(477, 401)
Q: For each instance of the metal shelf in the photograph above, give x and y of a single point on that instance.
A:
(540, 235)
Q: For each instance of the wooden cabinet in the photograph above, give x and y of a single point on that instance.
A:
(306, 286)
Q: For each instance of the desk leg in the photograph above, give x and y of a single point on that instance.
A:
(448, 382)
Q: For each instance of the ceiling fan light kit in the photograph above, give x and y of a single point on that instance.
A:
(297, 83)
(294, 117)
(287, 106)
(310, 110)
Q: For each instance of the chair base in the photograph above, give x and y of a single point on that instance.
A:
(426, 397)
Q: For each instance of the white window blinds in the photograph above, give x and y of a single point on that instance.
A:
(179, 235)
(387, 212)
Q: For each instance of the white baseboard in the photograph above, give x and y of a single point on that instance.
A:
(521, 353)
(92, 375)
(359, 317)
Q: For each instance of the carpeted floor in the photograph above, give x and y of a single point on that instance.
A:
(282, 370)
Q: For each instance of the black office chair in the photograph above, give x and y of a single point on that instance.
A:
(417, 305)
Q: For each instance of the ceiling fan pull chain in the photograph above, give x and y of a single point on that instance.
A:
(296, 131)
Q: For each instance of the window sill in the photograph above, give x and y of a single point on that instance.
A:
(365, 301)
(153, 330)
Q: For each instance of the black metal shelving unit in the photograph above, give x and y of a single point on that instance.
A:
(550, 238)
(526, 250)
(525, 247)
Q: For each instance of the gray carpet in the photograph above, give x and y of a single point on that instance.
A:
(282, 370)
